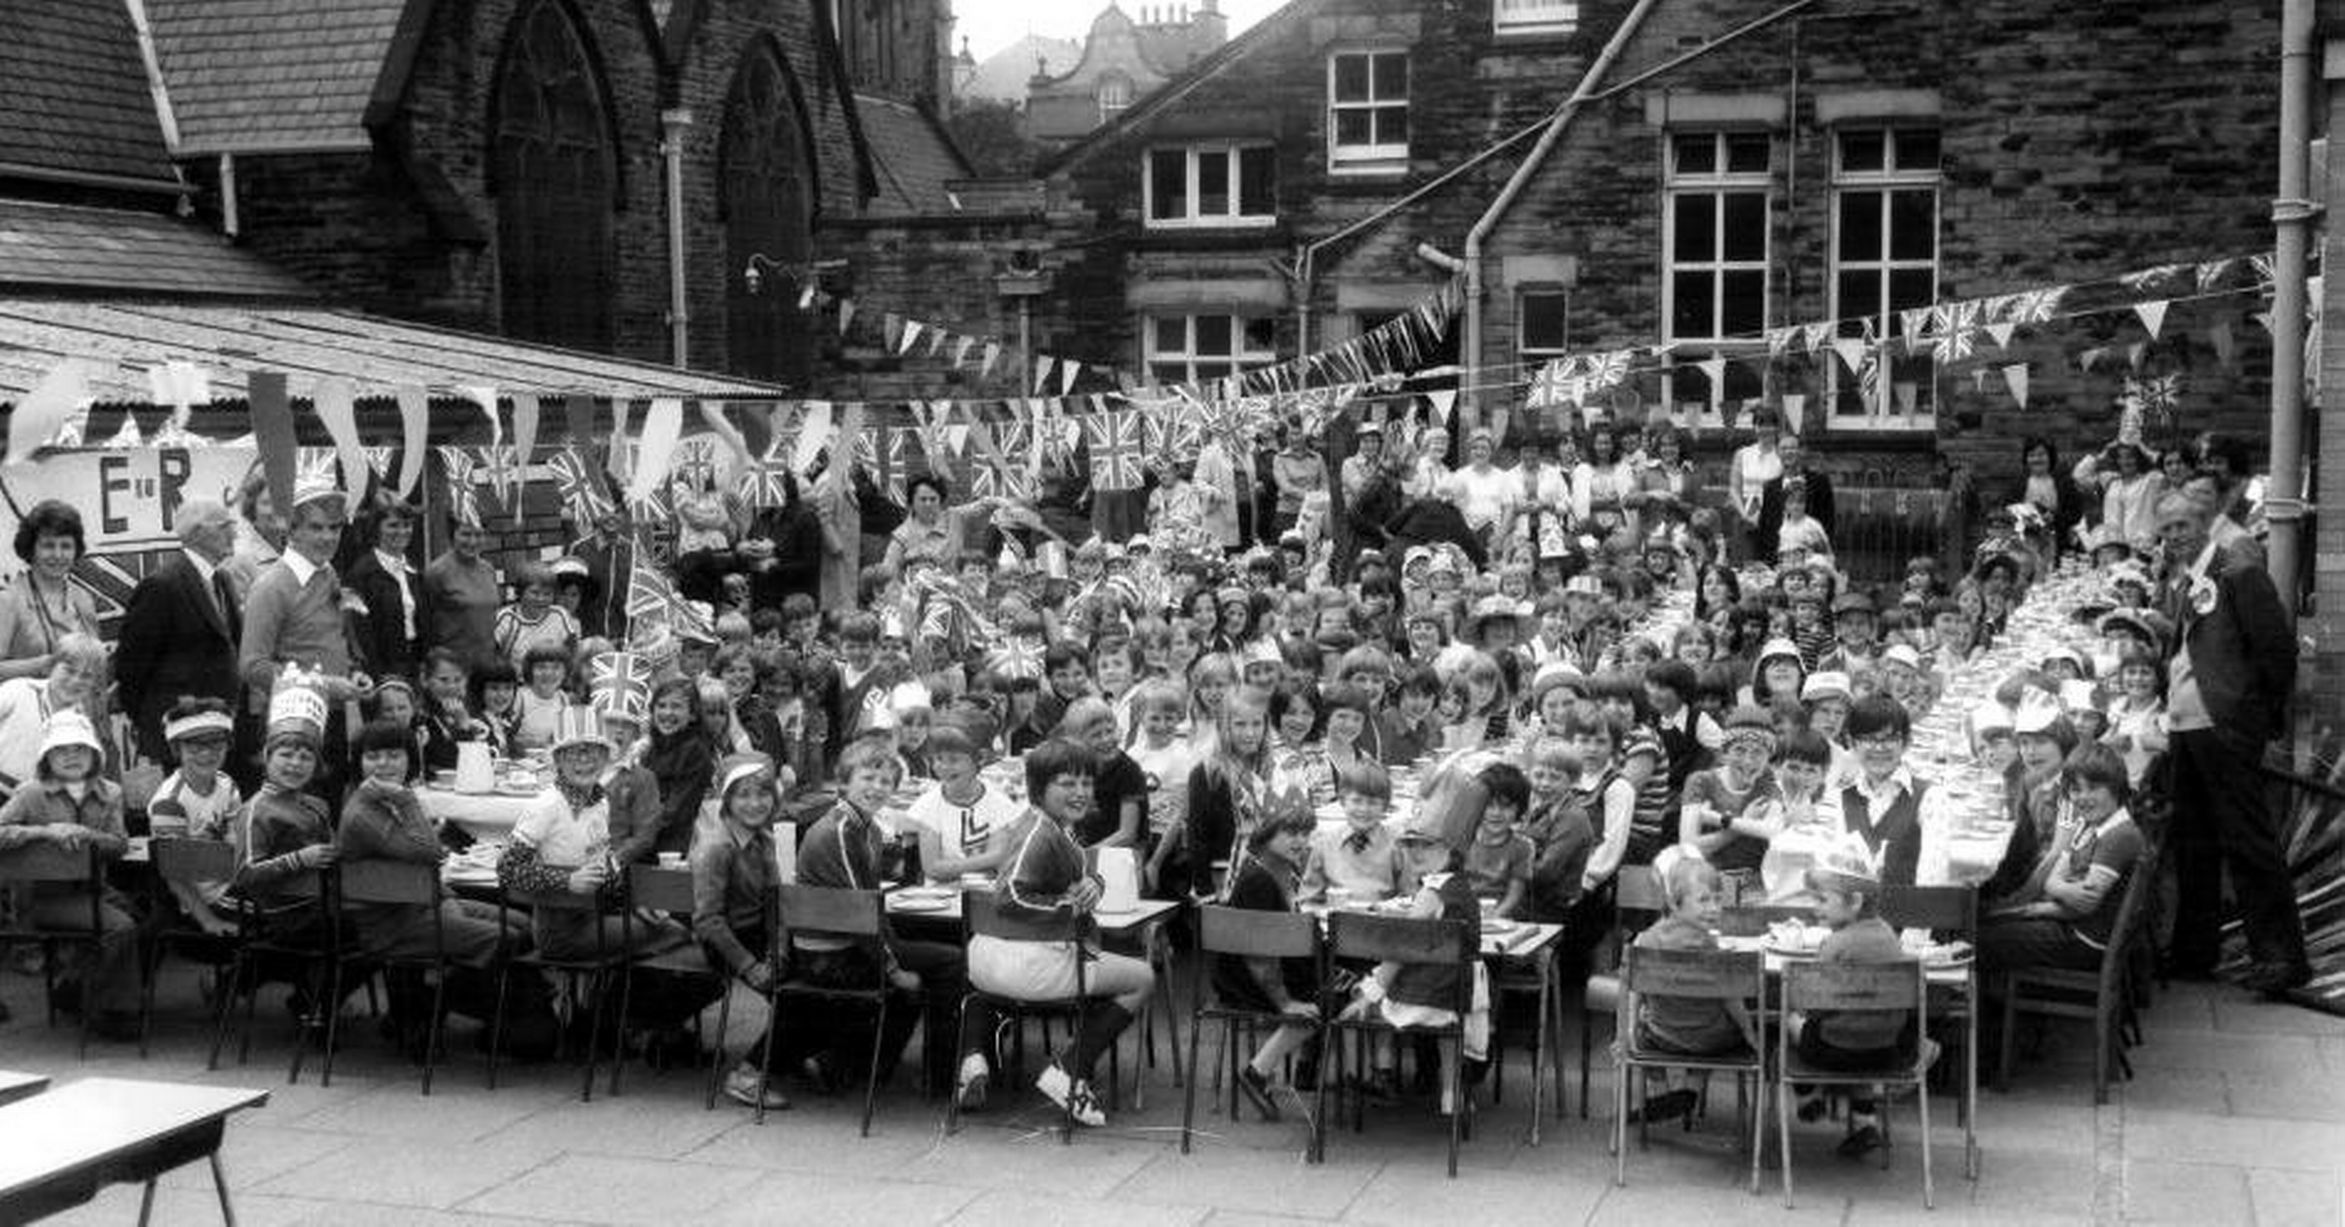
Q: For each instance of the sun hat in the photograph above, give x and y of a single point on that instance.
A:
(69, 728)
(1827, 684)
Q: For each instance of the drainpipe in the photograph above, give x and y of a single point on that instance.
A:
(2292, 217)
(231, 222)
(1470, 339)
(673, 121)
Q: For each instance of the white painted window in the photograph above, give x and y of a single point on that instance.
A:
(1211, 185)
(1197, 348)
(1884, 261)
(1368, 110)
(1717, 232)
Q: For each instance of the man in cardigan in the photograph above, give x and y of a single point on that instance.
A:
(2234, 666)
(293, 615)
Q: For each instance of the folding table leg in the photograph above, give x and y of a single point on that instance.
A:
(146, 1202)
(220, 1186)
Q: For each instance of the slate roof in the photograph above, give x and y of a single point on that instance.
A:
(73, 92)
(74, 247)
(913, 158)
(1004, 74)
(253, 75)
(121, 338)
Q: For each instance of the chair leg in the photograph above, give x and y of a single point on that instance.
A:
(497, 1022)
(2010, 1036)
(1189, 1092)
(871, 1077)
(2101, 1056)
(431, 1030)
(626, 974)
(765, 1053)
(221, 1012)
(1587, 1050)
(252, 996)
(146, 1203)
(331, 1004)
(1929, 1189)
(1758, 1111)
(1454, 1085)
(150, 965)
(1783, 1099)
(594, 1035)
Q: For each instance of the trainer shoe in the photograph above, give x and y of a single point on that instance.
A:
(741, 1088)
(1072, 1094)
(973, 1082)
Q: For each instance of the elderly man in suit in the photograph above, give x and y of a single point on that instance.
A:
(2234, 665)
(181, 628)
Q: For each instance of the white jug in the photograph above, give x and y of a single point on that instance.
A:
(1119, 875)
(475, 772)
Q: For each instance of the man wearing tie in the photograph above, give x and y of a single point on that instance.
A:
(2234, 666)
(181, 628)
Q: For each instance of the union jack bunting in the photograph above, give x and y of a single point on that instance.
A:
(655, 507)
(459, 465)
(1607, 369)
(696, 461)
(1553, 387)
(1116, 448)
(496, 463)
(998, 475)
(581, 491)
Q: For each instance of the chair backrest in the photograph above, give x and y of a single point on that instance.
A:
(2133, 911)
(1896, 985)
(189, 861)
(1718, 975)
(1255, 934)
(983, 915)
(1753, 919)
(387, 881)
(1400, 939)
(823, 909)
(660, 888)
(47, 862)
(1941, 909)
(1639, 890)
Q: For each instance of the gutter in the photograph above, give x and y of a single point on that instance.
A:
(1470, 341)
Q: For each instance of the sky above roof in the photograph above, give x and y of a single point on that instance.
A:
(991, 25)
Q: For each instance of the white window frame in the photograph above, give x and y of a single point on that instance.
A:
(1240, 358)
(1114, 95)
(1533, 356)
(1369, 158)
(1886, 414)
(1714, 185)
(1192, 155)
(1521, 18)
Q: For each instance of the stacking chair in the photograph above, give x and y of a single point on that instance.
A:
(983, 918)
(1248, 934)
(1365, 938)
(2102, 997)
(47, 864)
(262, 938)
(1754, 919)
(857, 915)
(413, 884)
(185, 863)
(661, 890)
(1950, 913)
(1710, 975)
(1637, 893)
(716, 1069)
(1812, 988)
(589, 981)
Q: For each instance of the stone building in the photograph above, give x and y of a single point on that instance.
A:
(1122, 59)
(1730, 167)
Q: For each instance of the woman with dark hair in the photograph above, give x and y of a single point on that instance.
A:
(386, 582)
(1667, 486)
(1754, 466)
(43, 606)
(934, 530)
(678, 756)
(795, 533)
(1601, 485)
(461, 592)
(2048, 488)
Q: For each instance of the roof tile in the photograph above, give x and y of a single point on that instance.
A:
(73, 93)
(248, 75)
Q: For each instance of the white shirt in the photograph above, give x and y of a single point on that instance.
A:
(2186, 709)
(399, 570)
(1483, 498)
(300, 565)
(965, 830)
(561, 837)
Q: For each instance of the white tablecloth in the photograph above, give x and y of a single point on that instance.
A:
(480, 815)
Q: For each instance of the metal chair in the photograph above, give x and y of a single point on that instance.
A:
(655, 888)
(982, 917)
(1707, 975)
(2102, 997)
(48, 864)
(411, 884)
(1950, 913)
(1637, 890)
(595, 971)
(1825, 988)
(716, 1070)
(263, 934)
(1359, 937)
(858, 916)
(188, 864)
(1246, 934)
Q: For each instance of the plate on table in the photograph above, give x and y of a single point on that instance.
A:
(922, 904)
(519, 790)
(1493, 926)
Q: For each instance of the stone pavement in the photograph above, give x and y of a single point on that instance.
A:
(2237, 1116)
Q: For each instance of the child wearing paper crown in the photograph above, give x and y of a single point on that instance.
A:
(70, 808)
(1848, 888)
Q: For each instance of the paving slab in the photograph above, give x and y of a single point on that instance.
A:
(2297, 1199)
(412, 1172)
(599, 1189)
(2164, 1191)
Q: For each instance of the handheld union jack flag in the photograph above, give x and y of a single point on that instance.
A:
(1116, 445)
(619, 684)
(881, 450)
(651, 596)
(583, 499)
(1000, 470)
(765, 481)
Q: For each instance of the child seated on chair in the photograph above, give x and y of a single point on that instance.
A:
(71, 808)
(198, 801)
(1693, 1026)
(1498, 861)
(1560, 830)
(1848, 888)
(1415, 995)
(1265, 881)
(1357, 860)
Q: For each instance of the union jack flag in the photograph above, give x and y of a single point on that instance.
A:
(1114, 436)
(651, 596)
(881, 449)
(583, 499)
(1554, 387)
(696, 461)
(1002, 473)
(619, 684)
(1608, 369)
(765, 482)
(459, 464)
(1020, 657)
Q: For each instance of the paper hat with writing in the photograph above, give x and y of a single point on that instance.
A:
(619, 686)
(579, 725)
(297, 707)
(1828, 684)
(69, 728)
(2037, 711)
(198, 724)
(1988, 717)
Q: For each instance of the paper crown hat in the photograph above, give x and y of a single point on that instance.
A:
(579, 725)
(619, 686)
(297, 708)
(2037, 711)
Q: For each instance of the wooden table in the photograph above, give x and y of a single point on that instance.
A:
(15, 1085)
(59, 1148)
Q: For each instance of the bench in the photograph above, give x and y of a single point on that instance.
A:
(58, 1148)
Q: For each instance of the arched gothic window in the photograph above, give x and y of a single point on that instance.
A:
(768, 194)
(555, 174)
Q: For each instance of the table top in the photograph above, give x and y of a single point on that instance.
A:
(1936, 970)
(943, 904)
(16, 1084)
(85, 1123)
